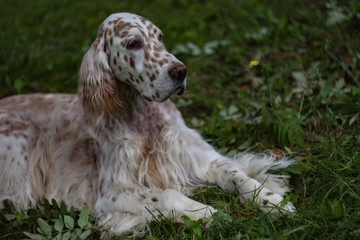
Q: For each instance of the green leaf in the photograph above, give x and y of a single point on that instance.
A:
(72, 212)
(339, 84)
(10, 217)
(58, 236)
(59, 224)
(84, 216)
(7, 206)
(40, 231)
(85, 234)
(20, 216)
(74, 236)
(45, 227)
(337, 210)
(18, 84)
(55, 204)
(232, 110)
(66, 236)
(63, 209)
(33, 236)
(150, 238)
(69, 222)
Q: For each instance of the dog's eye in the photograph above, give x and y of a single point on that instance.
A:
(160, 37)
(133, 45)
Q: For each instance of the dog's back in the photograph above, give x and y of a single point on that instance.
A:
(41, 139)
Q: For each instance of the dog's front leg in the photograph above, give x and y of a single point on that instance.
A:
(145, 204)
(246, 175)
(251, 184)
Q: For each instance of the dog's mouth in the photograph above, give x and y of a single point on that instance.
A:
(147, 98)
(180, 90)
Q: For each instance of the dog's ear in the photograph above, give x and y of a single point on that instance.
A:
(97, 86)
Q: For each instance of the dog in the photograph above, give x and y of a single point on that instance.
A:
(120, 144)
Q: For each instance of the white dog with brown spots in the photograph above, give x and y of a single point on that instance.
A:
(120, 144)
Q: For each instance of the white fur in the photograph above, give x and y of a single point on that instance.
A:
(130, 158)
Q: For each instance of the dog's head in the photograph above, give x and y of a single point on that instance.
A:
(128, 49)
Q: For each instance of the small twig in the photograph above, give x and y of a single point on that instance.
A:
(301, 105)
(315, 107)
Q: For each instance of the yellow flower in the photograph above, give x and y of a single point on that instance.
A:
(254, 63)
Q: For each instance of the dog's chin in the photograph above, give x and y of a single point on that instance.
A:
(179, 91)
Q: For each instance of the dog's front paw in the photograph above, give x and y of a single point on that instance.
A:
(201, 212)
(275, 203)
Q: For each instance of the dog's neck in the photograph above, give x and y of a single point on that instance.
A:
(131, 100)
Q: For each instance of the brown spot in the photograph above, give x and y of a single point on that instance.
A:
(114, 61)
(156, 54)
(118, 54)
(157, 94)
(141, 78)
(120, 68)
(114, 199)
(154, 199)
(124, 34)
(157, 48)
(149, 27)
(265, 202)
(8, 147)
(131, 78)
(126, 58)
(151, 85)
(132, 64)
(111, 41)
(147, 56)
(269, 193)
(26, 158)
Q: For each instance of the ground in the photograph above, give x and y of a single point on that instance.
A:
(262, 75)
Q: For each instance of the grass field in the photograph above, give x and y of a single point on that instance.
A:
(303, 97)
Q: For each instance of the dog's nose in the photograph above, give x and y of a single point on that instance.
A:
(178, 72)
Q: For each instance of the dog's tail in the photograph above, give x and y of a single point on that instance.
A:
(265, 168)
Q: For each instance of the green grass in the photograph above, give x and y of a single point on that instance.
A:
(303, 98)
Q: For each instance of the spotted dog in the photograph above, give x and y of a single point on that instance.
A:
(120, 144)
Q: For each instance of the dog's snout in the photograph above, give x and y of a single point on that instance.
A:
(178, 72)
